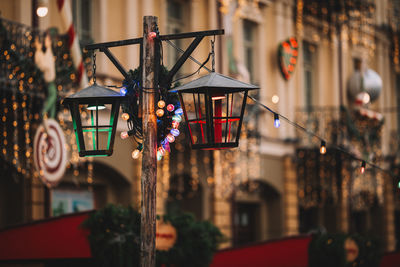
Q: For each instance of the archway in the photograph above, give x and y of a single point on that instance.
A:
(184, 196)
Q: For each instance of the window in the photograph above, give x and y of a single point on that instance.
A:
(309, 64)
(82, 16)
(175, 25)
(249, 44)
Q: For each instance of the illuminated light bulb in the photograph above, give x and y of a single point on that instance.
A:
(161, 150)
(93, 107)
(177, 118)
(159, 155)
(42, 11)
(322, 149)
(161, 104)
(170, 138)
(178, 111)
(160, 112)
(398, 185)
(165, 145)
(218, 97)
(135, 153)
(124, 135)
(151, 35)
(275, 99)
(125, 116)
(175, 124)
(277, 123)
(170, 107)
(175, 132)
(363, 164)
(123, 91)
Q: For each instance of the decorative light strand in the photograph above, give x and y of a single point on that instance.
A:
(322, 149)
(312, 134)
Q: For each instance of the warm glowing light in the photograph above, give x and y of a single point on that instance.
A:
(135, 153)
(362, 170)
(151, 35)
(275, 99)
(161, 150)
(42, 11)
(170, 138)
(124, 135)
(170, 107)
(160, 112)
(366, 98)
(161, 104)
(322, 149)
(125, 116)
(175, 124)
(218, 97)
(93, 107)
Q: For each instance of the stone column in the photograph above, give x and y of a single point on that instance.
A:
(222, 206)
(388, 209)
(344, 207)
(290, 198)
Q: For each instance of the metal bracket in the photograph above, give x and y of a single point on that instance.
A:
(103, 47)
(115, 61)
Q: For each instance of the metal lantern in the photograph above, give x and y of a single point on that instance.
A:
(94, 112)
(213, 108)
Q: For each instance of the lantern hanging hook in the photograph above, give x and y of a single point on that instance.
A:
(213, 55)
(94, 67)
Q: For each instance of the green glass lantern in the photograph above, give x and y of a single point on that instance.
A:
(94, 112)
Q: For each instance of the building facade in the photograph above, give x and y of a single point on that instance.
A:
(305, 55)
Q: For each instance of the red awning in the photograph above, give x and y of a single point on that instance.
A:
(287, 252)
(55, 238)
(63, 238)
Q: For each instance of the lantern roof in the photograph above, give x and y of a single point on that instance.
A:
(217, 81)
(93, 92)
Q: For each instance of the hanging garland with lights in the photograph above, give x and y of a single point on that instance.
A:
(168, 111)
(23, 91)
(114, 238)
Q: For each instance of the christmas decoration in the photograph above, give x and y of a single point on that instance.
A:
(65, 10)
(115, 238)
(49, 154)
(344, 250)
(287, 56)
(165, 236)
(168, 112)
(45, 62)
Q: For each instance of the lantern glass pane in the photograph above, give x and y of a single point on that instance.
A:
(226, 117)
(96, 126)
(196, 117)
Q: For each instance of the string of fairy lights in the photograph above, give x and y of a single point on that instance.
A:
(323, 145)
(323, 142)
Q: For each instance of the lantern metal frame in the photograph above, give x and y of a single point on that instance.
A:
(214, 87)
(94, 95)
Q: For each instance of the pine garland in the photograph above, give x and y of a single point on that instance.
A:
(132, 107)
(328, 250)
(115, 239)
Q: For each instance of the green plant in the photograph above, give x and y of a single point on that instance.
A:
(115, 239)
(328, 250)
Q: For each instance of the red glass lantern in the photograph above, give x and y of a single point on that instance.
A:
(213, 107)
